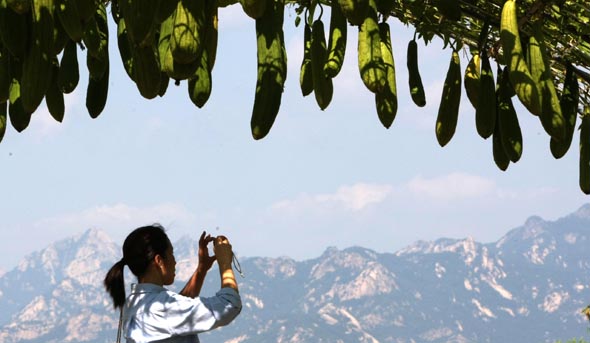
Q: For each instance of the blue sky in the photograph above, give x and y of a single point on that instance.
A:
(319, 179)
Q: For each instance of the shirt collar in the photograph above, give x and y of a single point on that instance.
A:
(137, 288)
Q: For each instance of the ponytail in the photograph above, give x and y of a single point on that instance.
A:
(139, 249)
(114, 283)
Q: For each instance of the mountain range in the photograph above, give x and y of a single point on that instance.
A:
(529, 286)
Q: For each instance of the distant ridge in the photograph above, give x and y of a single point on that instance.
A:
(529, 286)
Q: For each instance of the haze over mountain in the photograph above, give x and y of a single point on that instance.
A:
(529, 286)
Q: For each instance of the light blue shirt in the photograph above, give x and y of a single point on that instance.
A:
(154, 314)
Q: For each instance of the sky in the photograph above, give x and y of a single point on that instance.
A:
(333, 178)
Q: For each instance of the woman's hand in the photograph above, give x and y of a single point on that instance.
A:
(223, 250)
(194, 285)
(205, 261)
(224, 254)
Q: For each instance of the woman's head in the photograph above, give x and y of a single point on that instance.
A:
(145, 248)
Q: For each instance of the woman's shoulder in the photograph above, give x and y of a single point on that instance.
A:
(153, 298)
(168, 297)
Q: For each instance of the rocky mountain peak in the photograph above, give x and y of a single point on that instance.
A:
(350, 260)
(96, 236)
(330, 251)
(466, 247)
(533, 221)
(417, 247)
(533, 227)
(583, 212)
(186, 243)
(78, 257)
(281, 267)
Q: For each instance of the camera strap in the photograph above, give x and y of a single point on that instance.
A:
(237, 265)
(120, 325)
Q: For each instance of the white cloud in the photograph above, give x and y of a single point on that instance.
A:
(359, 196)
(440, 190)
(119, 216)
(351, 198)
(451, 187)
(115, 219)
(42, 123)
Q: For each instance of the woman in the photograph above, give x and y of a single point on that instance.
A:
(151, 312)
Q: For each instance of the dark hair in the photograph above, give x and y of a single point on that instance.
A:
(139, 249)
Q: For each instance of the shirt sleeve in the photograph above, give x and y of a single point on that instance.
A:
(186, 316)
